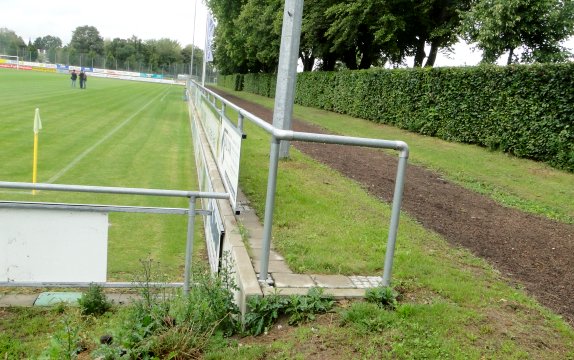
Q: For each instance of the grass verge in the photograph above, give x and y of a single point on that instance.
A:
(454, 304)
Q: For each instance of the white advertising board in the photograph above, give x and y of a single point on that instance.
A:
(225, 143)
(213, 225)
(229, 158)
(53, 246)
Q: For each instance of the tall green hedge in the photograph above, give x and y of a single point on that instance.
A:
(260, 84)
(525, 110)
(232, 82)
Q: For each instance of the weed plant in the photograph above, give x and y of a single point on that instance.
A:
(265, 311)
(384, 296)
(166, 323)
(94, 301)
(303, 308)
(66, 342)
(368, 317)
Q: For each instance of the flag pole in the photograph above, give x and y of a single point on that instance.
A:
(193, 42)
(205, 50)
(37, 127)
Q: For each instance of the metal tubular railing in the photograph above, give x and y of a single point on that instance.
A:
(277, 136)
(190, 211)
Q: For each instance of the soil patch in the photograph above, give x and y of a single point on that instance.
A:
(532, 250)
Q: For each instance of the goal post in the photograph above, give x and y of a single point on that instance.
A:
(11, 61)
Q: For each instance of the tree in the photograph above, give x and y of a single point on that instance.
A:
(369, 33)
(227, 53)
(86, 39)
(259, 35)
(435, 22)
(353, 31)
(500, 26)
(163, 53)
(315, 44)
(121, 49)
(32, 52)
(48, 42)
(10, 43)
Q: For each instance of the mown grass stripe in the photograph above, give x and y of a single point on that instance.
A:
(89, 139)
(100, 141)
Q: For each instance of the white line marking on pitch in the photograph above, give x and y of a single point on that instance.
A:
(91, 148)
(15, 192)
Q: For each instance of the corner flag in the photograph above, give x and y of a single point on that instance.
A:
(37, 128)
(37, 122)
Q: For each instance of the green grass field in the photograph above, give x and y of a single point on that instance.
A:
(114, 133)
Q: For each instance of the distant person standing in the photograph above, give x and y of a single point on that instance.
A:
(82, 79)
(73, 77)
(85, 80)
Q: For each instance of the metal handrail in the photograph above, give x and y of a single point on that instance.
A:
(191, 212)
(278, 135)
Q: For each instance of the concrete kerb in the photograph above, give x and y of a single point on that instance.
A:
(237, 257)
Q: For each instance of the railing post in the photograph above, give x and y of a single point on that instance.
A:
(269, 205)
(395, 213)
(189, 244)
(240, 123)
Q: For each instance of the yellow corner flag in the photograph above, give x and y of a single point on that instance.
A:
(37, 128)
(37, 122)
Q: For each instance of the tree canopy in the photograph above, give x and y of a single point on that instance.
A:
(10, 43)
(500, 26)
(362, 34)
(88, 48)
(335, 33)
(48, 42)
(86, 39)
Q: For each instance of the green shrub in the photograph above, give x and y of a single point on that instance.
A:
(232, 82)
(261, 84)
(94, 301)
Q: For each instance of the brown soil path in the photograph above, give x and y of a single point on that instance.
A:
(532, 250)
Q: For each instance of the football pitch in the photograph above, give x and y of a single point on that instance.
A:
(114, 133)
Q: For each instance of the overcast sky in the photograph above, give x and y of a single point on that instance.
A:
(173, 19)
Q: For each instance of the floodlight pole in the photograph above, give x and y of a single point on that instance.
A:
(193, 41)
(284, 96)
(205, 52)
(287, 71)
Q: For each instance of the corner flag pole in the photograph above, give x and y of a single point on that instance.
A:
(37, 127)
